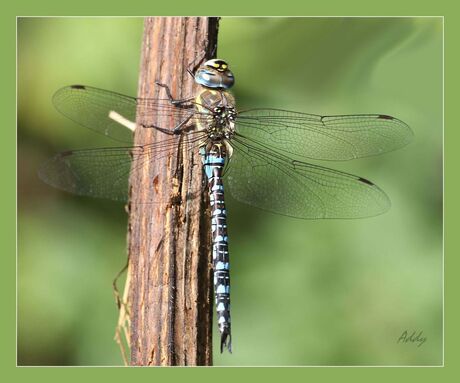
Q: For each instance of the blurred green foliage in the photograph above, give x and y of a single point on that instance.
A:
(338, 292)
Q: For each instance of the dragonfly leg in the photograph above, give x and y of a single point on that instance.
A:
(178, 129)
(179, 103)
(183, 125)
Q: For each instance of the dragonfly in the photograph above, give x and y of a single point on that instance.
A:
(263, 156)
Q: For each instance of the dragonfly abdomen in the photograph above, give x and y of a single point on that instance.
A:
(214, 161)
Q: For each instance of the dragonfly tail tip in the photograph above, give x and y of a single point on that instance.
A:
(226, 341)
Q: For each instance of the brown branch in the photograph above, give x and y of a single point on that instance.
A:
(170, 301)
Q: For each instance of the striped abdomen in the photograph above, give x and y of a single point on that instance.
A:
(214, 161)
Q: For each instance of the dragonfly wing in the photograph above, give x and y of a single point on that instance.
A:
(324, 137)
(271, 181)
(104, 172)
(92, 108)
(100, 173)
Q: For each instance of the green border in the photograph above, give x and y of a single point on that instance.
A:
(180, 7)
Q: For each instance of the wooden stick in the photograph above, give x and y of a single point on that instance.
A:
(170, 292)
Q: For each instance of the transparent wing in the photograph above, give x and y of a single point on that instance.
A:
(90, 107)
(104, 172)
(75, 171)
(324, 137)
(274, 182)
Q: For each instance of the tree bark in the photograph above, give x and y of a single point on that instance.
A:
(170, 292)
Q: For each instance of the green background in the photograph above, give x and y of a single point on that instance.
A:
(337, 292)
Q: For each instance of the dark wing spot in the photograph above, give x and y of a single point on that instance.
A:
(363, 180)
(78, 87)
(385, 117)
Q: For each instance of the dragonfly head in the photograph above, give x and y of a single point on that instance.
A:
(215, 74)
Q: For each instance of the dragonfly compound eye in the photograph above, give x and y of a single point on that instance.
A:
(215, 74)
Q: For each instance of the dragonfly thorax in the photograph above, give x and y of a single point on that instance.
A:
(222, 123)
